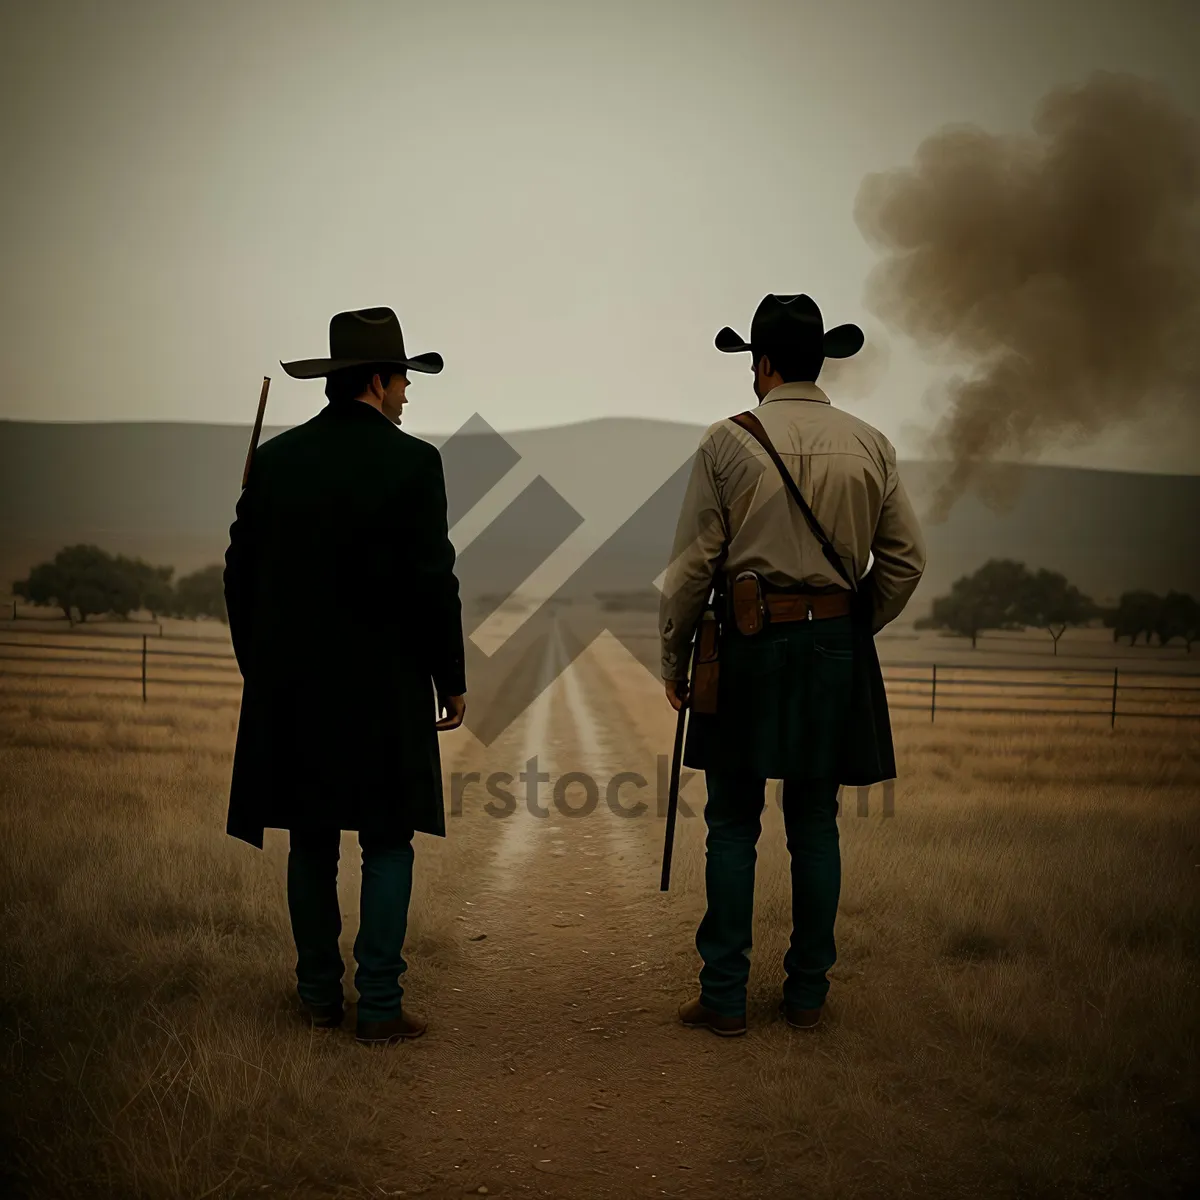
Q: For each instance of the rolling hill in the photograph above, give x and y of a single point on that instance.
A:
(166, 492)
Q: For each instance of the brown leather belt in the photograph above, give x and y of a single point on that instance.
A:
(806, 606)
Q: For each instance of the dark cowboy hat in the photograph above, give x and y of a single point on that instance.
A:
(356, 339)
(792, 321)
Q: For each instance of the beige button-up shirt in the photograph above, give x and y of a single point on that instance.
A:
(736, 502)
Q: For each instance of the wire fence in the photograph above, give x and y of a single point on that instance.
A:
(146, 663)
(11, 621)
(154, 667)
(1110, 692)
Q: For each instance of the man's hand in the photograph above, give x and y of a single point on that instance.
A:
(455, 707)
(677, 692)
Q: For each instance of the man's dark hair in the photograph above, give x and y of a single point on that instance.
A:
(350, 382)
(795, 364)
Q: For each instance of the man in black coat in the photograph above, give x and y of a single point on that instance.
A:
(347, 626)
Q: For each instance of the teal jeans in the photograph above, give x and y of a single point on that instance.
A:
(387, 867)
(733, 814)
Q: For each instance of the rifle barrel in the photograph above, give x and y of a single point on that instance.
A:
(677, 763)
(673, 796)
(258, 422)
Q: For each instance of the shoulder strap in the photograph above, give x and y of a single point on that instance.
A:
(753, 426)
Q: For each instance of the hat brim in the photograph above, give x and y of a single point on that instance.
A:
(314, 368)
(840, 342)
(730, 342)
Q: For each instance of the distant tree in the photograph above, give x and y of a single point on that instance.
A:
(152, 585)
(46, 587)
(991, 598)
(1134, 615)
(1178, 615)
(83, 579)
(1048, 601)
(202, 594)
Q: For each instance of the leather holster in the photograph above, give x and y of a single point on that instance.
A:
(746, 600)
(706, 672)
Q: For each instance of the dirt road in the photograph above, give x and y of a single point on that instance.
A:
(554, 1064)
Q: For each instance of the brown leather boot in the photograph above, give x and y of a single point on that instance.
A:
(402, 1026)
(800, 1018)
(696, 1014)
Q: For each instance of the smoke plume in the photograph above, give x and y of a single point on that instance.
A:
(1059, 270)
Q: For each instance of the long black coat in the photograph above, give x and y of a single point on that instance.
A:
(345, 617)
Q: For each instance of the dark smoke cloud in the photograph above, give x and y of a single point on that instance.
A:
(1061, 269)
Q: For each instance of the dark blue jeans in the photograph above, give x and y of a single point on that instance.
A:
(733, 814)
(387, 865)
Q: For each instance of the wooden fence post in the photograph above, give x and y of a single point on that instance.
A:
(144, 640)
(933, 694)
(1113, 721)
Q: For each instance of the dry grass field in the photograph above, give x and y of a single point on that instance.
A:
(1013, 1012)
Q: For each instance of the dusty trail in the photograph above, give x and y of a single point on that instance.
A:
(554, 1065)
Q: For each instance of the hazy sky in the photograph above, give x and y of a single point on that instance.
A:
(566, 200)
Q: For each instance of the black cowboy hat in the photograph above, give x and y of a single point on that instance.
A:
(792, 320)
(356, 339)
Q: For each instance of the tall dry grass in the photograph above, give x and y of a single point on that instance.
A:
(138, 942)
(1013, 1009)
(1016, 994)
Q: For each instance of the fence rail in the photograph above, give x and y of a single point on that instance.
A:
(912, 686)
(133, 662)
(1059, 691)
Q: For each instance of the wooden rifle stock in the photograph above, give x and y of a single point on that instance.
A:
(258, 422)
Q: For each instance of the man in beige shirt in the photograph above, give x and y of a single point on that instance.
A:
(800, 698)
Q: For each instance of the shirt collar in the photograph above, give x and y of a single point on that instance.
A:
(796, 391)
(352, 410)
